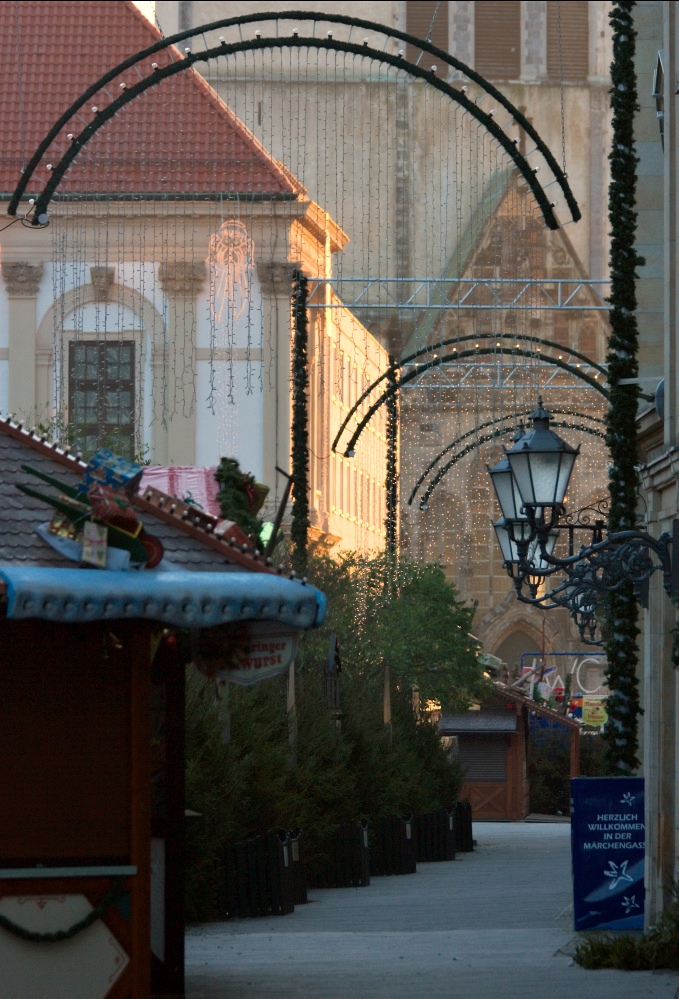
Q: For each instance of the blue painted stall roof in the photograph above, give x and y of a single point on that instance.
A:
(183, 599)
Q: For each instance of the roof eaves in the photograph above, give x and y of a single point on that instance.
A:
(54, 451)
(540, 709)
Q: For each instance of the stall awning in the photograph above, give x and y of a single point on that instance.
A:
(180, 598)
(478, 721)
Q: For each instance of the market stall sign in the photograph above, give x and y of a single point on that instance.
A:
(594, 711)
(258, 651)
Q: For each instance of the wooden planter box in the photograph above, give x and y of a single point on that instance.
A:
(343, 860)
(392, 846)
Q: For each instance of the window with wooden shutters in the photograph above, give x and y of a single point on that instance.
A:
(574, 40)
(101, 395)
(418, 21)
(497, 39)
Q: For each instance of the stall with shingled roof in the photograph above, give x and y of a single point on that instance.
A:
(99, 586)
(492, 746)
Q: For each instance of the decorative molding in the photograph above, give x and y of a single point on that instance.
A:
(21, 278)
(182, 278)
(101, 279)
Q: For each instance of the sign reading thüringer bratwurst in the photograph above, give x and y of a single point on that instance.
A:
(264, 654)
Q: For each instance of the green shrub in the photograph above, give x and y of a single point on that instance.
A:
(258, 780)
(549, 768)
(656, 949)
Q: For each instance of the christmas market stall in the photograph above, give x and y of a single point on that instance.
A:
(492, 746)
(103, 589)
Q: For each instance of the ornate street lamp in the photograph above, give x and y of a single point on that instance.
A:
(531, 482)
(541, 464)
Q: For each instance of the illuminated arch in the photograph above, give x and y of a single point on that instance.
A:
(157, 74)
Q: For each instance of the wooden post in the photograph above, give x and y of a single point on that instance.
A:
(575, 752)
(386, 701)
(138, 648)
(292, 713)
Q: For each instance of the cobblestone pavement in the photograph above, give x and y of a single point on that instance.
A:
(495, 924)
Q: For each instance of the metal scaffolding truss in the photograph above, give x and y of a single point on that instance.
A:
(504, 373)
(479, 294)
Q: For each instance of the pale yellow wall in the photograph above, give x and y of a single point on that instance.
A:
(347, 494)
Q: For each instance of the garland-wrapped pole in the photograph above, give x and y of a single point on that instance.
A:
(623, 704)
(299, 528)
(391, 481)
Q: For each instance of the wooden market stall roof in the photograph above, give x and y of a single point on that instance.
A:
(191, 539)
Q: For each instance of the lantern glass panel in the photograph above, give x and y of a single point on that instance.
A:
(506, 490)
(542, 477)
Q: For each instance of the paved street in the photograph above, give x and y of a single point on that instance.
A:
(495, 924)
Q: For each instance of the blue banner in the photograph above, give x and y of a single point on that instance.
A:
(608, 849)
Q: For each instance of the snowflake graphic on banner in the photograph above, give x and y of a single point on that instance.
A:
(627, 799)
(617, 873)
(630, 903)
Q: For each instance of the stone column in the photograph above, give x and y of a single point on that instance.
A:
(174, 375)
(276, 284)
(22, 280)
(461, 31)
(534, 40)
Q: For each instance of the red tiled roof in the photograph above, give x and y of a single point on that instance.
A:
(178, 137)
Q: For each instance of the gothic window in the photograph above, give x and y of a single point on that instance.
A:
(101, 395)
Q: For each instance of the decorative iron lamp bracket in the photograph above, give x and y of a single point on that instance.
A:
(528, 530)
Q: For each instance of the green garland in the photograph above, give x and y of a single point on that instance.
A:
(391, 481)
(299, 529)
(623, 704)
(115, 891)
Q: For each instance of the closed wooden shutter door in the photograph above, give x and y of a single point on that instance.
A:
(484, 757)
(497, 39)
(418, 19)
(574, 40)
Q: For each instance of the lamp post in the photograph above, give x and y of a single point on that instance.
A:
(531, 481)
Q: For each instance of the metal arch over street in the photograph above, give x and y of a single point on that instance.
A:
(437, 361)
(418, 369)
(155, 76)
(595, 431)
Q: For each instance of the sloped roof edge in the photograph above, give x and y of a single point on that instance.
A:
(158, 504)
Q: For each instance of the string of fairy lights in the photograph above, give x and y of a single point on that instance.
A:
(407, 184)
